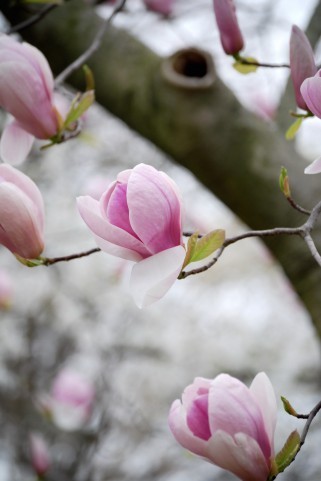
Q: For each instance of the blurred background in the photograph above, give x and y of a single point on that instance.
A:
(240, 317)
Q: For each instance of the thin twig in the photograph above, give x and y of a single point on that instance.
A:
(49, 261)
(253, 63)
(297, 206)
(309, 417)
(92, 48)
(232, 240)
(303, 231)
(32, 20)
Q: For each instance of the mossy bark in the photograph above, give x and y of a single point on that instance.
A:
(235, 154)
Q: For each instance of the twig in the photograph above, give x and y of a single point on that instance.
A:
(92, 48)
(297, 206)
(49, 261)
(253, 63)
(32, 20)
(232, 240)
(309, 417)
(303, 231)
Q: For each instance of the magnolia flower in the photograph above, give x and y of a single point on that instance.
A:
(6, 289)
(39, 453)
(229, 424)
(230, 33)
(164, 7)
(138, 218)
(21, 213)
(70, 402)
(26, 92)
(301, 62)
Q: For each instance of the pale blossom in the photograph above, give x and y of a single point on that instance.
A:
(21, 213)
(138, 218)
(228, 424)
(26, 92)
(70, 401)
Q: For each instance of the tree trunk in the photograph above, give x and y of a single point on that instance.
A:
(197, 121)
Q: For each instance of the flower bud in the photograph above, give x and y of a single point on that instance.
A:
(301, 62)
(70, 402)
(39, 453)
(21, 213)
(138, 218)
(229, 424)
(230, 33)
(26, 92)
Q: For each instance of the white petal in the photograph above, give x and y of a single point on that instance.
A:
(314, 168)
(263, 391)
(152, 277)
(15, 144)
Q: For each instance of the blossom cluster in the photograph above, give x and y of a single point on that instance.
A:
(139, 218)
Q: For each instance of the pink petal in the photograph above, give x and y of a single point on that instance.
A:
(152, 277)
(154, 209)
(30, 105)
(180, 431)
(241, 456)
(24, 183)
(200, 386)
(117, 208)
(262, 389)
(311, 93)
(41, 64)
(233, 409)
(110, 238)
(197, 417)
(301, 62)
(314, 168)
(19, 227)
(230, 34)
(15, 144)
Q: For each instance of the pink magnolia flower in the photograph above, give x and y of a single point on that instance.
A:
(6, 289)
(164, 7)
(229, 424)
(70, 402)
(230, 33)
(138, 218)
(26, 92)
(301, 62)
(21, 213)
(39, 453)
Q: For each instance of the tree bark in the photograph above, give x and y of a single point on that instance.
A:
(204, 128)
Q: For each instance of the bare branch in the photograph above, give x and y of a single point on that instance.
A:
(32, 20)
(92, 48)
(49, 261)
(304, 231)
